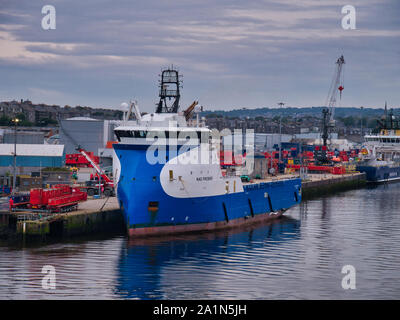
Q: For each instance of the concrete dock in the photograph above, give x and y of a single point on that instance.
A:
(92, 216)
(321, 183)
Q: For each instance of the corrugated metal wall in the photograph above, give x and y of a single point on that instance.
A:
(262, 141)
(88, 134)
(29, 161)
(24, 138)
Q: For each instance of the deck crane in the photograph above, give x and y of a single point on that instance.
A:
(133, 106)
(328, 113)
(189, 111)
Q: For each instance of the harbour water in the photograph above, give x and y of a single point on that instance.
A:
(298, 257)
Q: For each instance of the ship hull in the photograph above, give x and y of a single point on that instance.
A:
(380, 174)
(204, 227)
(148, 209)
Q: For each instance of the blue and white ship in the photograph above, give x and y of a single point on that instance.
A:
(171, 180)
(381, 151)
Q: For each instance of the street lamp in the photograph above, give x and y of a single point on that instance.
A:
(15, 120)
(280, 132)
(361, 131)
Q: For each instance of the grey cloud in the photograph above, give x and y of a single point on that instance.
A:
(271, 49)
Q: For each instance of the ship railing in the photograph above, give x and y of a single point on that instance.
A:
(32, 216)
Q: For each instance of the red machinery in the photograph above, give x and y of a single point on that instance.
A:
(79, 160)
(328, 169)
(227, 158)
(106, 184)
(59, 198)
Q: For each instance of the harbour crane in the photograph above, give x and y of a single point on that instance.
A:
(328, 112)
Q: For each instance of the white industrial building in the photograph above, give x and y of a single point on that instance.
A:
(30, 157)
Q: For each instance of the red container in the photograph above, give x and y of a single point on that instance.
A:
(338, 170)
(36, 197)
(66, 200)
(58, 195)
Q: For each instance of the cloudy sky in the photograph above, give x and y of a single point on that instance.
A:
(231, 53)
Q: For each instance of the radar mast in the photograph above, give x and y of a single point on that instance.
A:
(170, 83)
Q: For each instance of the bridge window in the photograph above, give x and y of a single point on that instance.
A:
(143, 134)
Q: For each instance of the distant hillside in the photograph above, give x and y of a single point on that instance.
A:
(296, 112)
(31, 114)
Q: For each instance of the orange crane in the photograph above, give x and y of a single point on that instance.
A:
(189, 111)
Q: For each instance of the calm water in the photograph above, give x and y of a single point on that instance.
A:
(300, 257)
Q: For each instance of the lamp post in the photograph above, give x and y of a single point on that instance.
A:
(361, 120)
(280, 133)
(15, 120)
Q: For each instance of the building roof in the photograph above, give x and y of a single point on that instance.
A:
(44, 150)
(82, 118)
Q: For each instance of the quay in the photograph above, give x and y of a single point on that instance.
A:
(92, 217)
(318, 184)
(322, 184)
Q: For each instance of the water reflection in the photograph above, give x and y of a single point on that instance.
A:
(298, 257)
(190, 266)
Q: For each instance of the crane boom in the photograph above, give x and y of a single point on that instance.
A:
(100, 172)
(136, 110)
(337, 85)
(328, 122)
(189, 111)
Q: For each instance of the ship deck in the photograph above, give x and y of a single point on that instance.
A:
(312, 177)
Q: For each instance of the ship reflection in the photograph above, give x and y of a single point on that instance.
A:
(162, 268)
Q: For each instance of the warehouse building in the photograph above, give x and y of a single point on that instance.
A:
(30, 157)
(90, 134)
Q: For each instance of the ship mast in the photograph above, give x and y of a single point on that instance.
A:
(170, 83)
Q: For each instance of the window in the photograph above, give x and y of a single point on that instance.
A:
(143, 134)
(140, 134)
(123, 134)
(130, 134)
